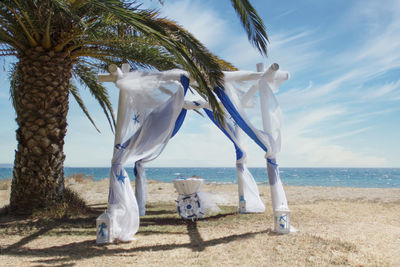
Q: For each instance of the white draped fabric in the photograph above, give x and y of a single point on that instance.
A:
(247, 187)
(149, 106)
(270, 137)
(148, 125)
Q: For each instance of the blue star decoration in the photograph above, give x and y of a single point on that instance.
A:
(136, 118)
(102, 227)
(119, 146)
(121, 177)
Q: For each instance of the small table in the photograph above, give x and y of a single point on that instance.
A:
(188, 202)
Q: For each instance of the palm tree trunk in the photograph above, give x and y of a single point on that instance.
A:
(41, 103)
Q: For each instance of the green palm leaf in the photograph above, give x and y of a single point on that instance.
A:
(88, 78)
(252, 23)
(114, 31)
(75, 93)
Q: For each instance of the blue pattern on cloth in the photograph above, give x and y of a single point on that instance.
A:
(136, 118)
(230, 107)
(273, 171)
(135, 168)
(185, 83)
(273, 162)
(240, 167)
(102, 227)
(179, 121)
(119, 146)
(120, 177)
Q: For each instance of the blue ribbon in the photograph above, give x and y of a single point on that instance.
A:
(230, 107)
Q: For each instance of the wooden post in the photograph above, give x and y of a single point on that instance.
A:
(116, 73)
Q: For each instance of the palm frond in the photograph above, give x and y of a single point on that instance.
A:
(11, 26)
(74, 92)
(187, 50)
(26, 9)
(139, 55)
(88, 78)
(97, 33)
(252, 23)
(13, 77)
(25, 30)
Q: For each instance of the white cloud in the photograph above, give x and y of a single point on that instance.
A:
(348, 134)
(314, 94)
(316, 152)
(306, 143)
(283, 14)
(203, 22)
(385, 90)
(304, 122)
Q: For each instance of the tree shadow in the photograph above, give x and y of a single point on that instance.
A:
(87, 249)
(149, 221)
(32, 228)
(30, 238)
(154, 232)
(220, 215)
(159, 212)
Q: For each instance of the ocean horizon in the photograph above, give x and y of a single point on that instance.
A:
(299, 176)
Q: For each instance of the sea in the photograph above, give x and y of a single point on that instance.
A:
(342, 177)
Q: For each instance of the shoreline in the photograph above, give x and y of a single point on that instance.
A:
(326, 177)
(3, 180)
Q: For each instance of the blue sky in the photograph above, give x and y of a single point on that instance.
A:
(341, 107)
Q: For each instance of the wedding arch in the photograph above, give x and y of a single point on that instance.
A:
(152, 108)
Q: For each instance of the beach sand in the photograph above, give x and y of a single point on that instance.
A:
(336, 226)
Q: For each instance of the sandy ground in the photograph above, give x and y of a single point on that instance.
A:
(226, 194)
(336, 226)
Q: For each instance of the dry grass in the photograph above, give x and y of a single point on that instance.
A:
(224, 239)
(355, 232)
(78, 178)
(5, 184)
(72, 205)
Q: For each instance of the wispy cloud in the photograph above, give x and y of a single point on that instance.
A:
(284, 13)
(332, 102)
(305, 122)
(386, 91)
(351, 91)
(202, 21)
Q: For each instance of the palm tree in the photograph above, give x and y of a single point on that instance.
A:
(58, 43)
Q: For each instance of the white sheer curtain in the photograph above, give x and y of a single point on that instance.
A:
(270, 137)
(147, 125)
(247, 186)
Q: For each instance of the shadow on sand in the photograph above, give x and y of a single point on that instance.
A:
(62, 254)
